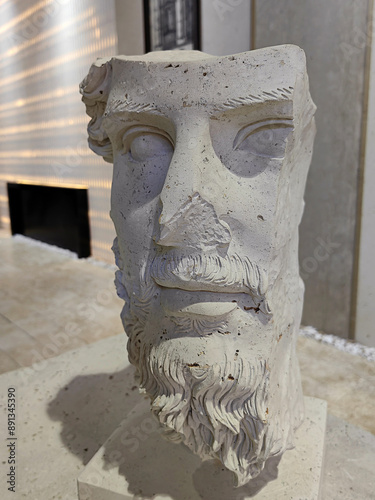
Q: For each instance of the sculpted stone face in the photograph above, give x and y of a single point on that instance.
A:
(210, 157)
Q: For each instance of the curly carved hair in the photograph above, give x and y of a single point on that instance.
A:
(95, 89)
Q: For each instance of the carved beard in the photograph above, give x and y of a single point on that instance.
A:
(218, 411)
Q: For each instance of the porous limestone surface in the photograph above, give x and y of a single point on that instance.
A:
(210, 158)
(137, 460)
(68, 406)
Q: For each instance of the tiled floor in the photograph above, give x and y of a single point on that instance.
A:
(51, 303)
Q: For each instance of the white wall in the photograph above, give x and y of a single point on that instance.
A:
(47, 47)
(365, 312)
(130, 27)
(225, 26)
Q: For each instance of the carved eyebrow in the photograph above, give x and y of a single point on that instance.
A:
(132, 107)
(279, 94)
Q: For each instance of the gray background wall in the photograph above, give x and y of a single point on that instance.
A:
(333, 35)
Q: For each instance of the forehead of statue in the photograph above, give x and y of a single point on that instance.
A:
(174, 80)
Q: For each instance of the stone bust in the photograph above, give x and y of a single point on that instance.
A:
(210, 157)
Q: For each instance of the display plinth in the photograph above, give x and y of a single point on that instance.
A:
(137, 462)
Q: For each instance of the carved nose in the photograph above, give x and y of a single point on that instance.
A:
(195, 225)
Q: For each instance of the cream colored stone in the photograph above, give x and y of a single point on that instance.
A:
(210, 162)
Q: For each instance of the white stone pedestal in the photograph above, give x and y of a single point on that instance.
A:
(136, 462)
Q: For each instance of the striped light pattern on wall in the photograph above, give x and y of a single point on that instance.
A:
(47, 48)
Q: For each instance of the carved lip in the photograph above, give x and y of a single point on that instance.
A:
(181, 303)
(225, 293)
(194, 285)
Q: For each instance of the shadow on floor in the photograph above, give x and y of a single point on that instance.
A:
(90, 408)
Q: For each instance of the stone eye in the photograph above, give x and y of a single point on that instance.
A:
(266, 139)
(147, 143)
(150, 145)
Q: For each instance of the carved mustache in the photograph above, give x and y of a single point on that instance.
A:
(205, 272)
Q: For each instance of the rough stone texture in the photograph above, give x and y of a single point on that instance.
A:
(69, 405)
(119, 469)
(334, 36)
(210, 162)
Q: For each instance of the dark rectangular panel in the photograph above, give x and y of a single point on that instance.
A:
(171, 24)
(55, 215)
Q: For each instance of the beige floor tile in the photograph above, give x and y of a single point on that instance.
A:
(7, 363)
(110, 320)
(11, 335)
(38, 324)
(95, 331)
(18, 345)
(345, 381)
(4, 321)
(55, 344)
(85, 312)
(54, 302)
(15, 309)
